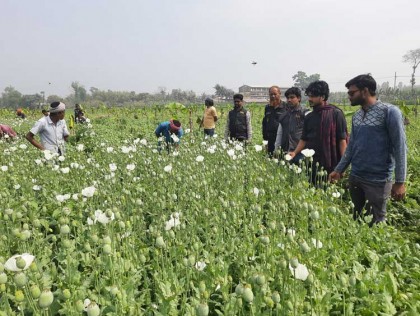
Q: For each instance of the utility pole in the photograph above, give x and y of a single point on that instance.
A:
(395, 80)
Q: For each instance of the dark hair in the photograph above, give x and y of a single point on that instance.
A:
(295, 91)
(44, 111)
(55, 104)
(363, 81)
(209, 102)
(177, 123)
(238, 96)
(318, 88)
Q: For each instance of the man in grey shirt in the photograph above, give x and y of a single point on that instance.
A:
(52, 130)
(376, 148)
(291, 125)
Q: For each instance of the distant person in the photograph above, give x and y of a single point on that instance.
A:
(80, 117)
(209, 119)
(52, 130)
(45, 112)
(238, 124)
(171, 131)
(290, 128)
(274, 112)
(7, 132)
(20, 114)
(77, 109)
(324, 130)
(376, 149)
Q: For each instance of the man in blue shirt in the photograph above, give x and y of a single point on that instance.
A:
(171, 131)
(376, 148)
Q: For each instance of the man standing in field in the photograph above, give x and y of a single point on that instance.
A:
(238, 124)
(376, 148)
(274, 113)
(209, 118)
(324, 130)
(171, 131)
(291, 126)
(52, 130)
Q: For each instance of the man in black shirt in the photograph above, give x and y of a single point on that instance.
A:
(274, 112)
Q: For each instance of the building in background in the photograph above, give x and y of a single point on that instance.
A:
(258, 94)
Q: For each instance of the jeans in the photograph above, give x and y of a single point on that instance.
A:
(209, 131)
(369, 195)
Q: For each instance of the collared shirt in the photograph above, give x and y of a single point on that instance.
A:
(51, 135)
(377, 144)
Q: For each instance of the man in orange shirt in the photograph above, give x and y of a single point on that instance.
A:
(209, 118)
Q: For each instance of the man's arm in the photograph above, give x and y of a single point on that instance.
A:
(158, 130)
(397, 137)
(227, 132)
(277, 144)
(249, 125)
(300, 146)
(31, 139)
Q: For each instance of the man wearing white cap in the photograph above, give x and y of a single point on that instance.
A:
(52, 130)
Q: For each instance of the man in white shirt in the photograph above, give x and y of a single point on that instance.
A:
(52, 130)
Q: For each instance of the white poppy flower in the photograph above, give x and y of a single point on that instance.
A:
(175, 153)
(265, 142)
(65, 170)
(239, 147)
(131, 167)
(308, 152)
(187, 131)
(258, 148)
(301, 272)
(61, 158)
(80, 147)
(256, 191)
(210, 150)
(4, 168)
(336, 194)
(231, 152)
(17, 186)
(317, 243)
(89, 191)
(36, 188)
(109, 149)
(23, 146)
(143, 142)
(287, 157)
(112, 167)
(125, 149)
(102, 217)
(199, 158)
(173, 221)
(10, 264)
(200, 265)
(168, 168)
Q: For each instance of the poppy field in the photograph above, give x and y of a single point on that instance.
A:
(216, 228)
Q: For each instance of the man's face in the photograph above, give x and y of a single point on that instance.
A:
(293, 100)
(238, 103)
(356, 95)
(274, 94)
(61, 115)
(315, 100)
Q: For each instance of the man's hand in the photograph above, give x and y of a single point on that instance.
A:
(398, 191)
(292, 154)
(334, 176)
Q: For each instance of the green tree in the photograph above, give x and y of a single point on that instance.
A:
(11, 98)
(223, 92)
(80, 93)
(302, 80)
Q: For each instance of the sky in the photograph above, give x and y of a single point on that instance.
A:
(144, 46)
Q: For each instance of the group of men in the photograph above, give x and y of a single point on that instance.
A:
(376, 146)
